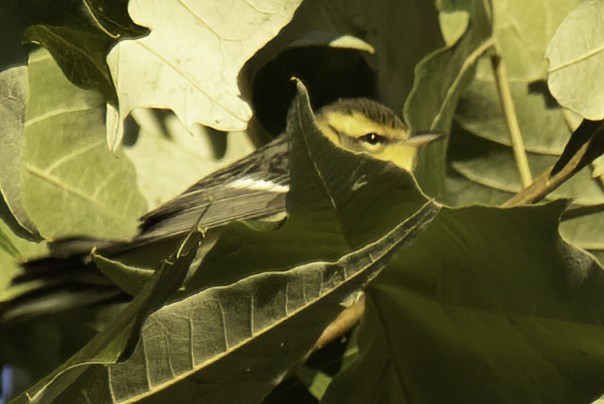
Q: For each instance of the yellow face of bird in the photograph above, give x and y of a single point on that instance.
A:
(362, 125)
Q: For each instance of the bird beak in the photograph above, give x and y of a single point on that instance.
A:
(423, 138)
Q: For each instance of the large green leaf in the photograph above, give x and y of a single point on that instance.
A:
(72, 184)
(487, 305)
(576, 58)
(191, 59)
(221, 335)
(77, 33)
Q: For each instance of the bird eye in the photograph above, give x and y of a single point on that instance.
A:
(373, 138)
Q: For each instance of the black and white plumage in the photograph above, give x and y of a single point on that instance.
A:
(251, 188)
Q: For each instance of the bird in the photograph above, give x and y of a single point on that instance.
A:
(252, 188)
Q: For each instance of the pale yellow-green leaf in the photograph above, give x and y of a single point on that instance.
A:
(576, 60)
(191, 59)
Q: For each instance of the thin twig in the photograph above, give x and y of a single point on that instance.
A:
(509, 112)
(344, 322)
(544, 184)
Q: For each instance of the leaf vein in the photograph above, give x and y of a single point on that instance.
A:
(577, 60)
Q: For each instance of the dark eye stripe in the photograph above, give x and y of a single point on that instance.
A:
(369, 138)
(373, 139)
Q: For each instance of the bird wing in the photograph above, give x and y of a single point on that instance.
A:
(253, 187)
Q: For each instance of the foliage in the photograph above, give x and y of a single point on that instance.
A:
(468, 297)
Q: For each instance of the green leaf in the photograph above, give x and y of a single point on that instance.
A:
(129, 278)
(72, 184)
(439, 79)
(522, 37)
(583, 227)
(543, 125)
(196, 75)
(111, 17)
(576, 58)
(219, 335)
(492, 165)
(486, 306)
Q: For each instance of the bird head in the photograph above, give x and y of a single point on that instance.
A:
(365, 126)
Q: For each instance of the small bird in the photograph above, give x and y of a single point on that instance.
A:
(253, 187)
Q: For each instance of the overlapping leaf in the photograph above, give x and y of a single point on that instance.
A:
(484, 167)
(190, 61)
(486, 306)
(71, 183)
(544, 127)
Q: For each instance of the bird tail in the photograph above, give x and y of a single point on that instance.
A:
(68, 279)
(57, 283)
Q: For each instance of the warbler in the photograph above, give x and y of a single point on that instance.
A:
(253, 187)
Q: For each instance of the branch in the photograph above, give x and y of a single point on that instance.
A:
(555, 176)
(509, 112)
(344, 322)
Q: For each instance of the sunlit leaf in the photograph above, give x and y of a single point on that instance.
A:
(576, 57)
(191, 59)
(71, 183)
